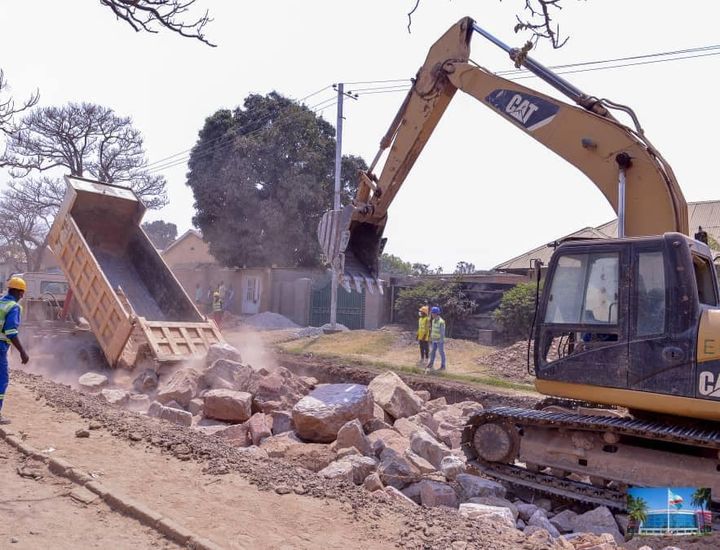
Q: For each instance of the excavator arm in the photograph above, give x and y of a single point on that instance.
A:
(618, 159)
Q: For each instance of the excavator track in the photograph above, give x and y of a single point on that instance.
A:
(704, 436)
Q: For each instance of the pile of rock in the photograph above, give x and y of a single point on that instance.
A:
(393, 441)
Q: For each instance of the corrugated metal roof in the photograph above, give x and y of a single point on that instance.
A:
(705, 214)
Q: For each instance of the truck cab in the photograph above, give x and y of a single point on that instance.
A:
(632, 322)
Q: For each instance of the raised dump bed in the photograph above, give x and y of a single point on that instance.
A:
(133, 302)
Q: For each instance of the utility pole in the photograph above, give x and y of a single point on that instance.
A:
(336, 198)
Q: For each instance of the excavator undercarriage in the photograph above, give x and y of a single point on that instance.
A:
(591, 458)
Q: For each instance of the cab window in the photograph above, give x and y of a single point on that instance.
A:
(705, 280)
(650, 289)
(585, 290)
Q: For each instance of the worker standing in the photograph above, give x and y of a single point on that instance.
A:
(217, 309)
(10, 319)
(423, 333)
(437, 338)
(701, 235)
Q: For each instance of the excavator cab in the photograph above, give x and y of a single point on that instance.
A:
(619, 320)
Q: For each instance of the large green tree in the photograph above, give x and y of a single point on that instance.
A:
(262, 176)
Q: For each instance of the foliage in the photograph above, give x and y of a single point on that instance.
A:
(161, 233)
(9, 109)
(701, 498)
(392, 265)
(420, 269)
(449, 295)
(637, 508)
(516, 311)
(262, 176)
(465, 268)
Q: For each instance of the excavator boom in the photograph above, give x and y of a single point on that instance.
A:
(617, 158)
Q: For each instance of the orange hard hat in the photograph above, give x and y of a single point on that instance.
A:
(424, 310)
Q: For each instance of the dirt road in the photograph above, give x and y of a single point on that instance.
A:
(219, 492)
(40, 511)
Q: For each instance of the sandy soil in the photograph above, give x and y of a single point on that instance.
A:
(42, 514)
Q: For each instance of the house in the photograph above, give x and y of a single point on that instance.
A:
(704, 213)
(301, 294)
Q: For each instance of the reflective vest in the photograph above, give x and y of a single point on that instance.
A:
(435, 334)
(423, 332)
(217, 305)
(5, 308)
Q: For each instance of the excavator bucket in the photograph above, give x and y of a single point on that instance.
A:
(352, 249)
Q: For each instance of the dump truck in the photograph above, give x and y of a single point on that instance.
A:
(136, 308)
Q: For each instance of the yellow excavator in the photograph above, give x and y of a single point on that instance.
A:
(627, 330)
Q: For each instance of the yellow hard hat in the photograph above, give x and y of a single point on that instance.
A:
(424, 310)
(216, 294)
(17, 283)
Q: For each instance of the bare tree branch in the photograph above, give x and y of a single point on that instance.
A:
(539, 23)
(146, 15)
(9, 109)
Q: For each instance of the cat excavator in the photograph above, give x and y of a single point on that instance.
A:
(627, 330)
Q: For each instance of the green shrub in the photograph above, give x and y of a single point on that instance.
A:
(449, 295)
(515, 313)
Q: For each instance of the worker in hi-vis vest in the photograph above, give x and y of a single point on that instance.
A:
(437, 338)
(423, 333)
(10, 311)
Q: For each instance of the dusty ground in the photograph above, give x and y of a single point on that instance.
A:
(42, 514)
(222, 493)
(708, 542)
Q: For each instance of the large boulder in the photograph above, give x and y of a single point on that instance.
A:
(598, 521)
(525, 510)
(539, 519)
(475, 486)
(319, 416)
(436, 493)
(260, 427)
(311, 456)
(181, 387)
(429, 448)
(281, 422)
(227, 405)
(563, 521)
(342, 469)
(276, 390)
(389, 439)
(115, 397)
(373, 482)
(146, 381)
(176, 416)
(237, 435)
(497, 501)
(226, 375)
(395, 396)
(483, 511)
(352, 435)
(362, 467)
(396, 470)
(419, 462)
(222, 351)
(452, 466)
(93, 381)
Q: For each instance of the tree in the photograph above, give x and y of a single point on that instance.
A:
(9, 109)
(145, 15)
(420, 269)
(465, 268)
(262, 176)
(161, 233)
(82, 140)
(449, 295)
(393, 265)
(516, 311)
(701, 498)
(637, 508)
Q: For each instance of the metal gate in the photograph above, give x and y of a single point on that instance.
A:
(350, 308)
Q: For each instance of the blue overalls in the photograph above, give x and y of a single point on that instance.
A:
(10, 320)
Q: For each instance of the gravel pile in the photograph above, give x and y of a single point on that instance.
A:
(421, 527)
(509, 363)
(267, 320)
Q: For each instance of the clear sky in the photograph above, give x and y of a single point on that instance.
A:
(657, 497)
(485, 191)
